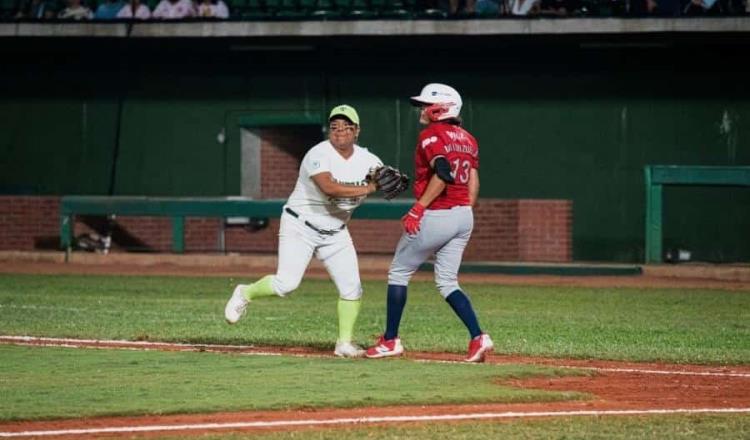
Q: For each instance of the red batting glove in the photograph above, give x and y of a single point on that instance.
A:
(412, 219)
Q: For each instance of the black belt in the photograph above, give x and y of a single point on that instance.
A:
(313, 227)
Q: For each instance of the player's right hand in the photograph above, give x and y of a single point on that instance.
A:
(413, 218)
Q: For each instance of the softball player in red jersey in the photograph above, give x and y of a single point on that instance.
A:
(446, 185)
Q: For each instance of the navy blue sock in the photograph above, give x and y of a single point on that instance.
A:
(462, 306)
(396, 304)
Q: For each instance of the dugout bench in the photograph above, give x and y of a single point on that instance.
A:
(659, 175)
(180, 207)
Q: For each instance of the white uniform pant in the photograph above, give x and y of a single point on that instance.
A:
(443, 232)
(298, 243)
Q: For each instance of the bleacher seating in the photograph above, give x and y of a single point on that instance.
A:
(330, 9)
(352, 9)
(7, 9)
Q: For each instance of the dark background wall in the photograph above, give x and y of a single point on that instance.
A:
(572, 117)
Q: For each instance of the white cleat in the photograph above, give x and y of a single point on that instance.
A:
(348, 350)
(236, 306)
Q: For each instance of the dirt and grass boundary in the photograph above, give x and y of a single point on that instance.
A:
(372, 267)
(619, 387)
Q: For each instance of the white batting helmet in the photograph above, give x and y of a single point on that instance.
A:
(441, 101)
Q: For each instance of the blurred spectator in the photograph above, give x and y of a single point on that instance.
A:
(456, 7)
(469, 6)
(75, 11)
(108, 9)
(524, 7)
(213, 9)
(559, 8)
(135, 9)
(640, 8)
(36, 9)
(701, 7)
(174, 9)
(663, 8)
(555, 8)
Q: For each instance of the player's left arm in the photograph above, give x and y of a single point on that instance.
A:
(473, 186)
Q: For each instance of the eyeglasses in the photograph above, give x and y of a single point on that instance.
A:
(342, 127)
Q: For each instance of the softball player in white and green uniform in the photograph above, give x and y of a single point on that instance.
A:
(331, 184)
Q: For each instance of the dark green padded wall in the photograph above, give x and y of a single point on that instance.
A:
(169, 145)
(577, 125)
(56, 146)
(592, 150)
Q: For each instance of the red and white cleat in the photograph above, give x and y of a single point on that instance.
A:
(385, 348)
(479, 347)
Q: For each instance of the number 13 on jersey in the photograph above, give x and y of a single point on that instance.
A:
(460, 170)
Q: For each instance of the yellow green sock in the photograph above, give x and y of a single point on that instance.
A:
(348, 312)
(262, 287)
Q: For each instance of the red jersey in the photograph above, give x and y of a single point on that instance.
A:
(461, 151)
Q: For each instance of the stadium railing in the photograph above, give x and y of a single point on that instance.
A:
(656, 176)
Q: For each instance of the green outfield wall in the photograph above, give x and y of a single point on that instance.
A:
(556, 118)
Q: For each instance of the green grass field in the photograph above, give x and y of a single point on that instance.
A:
(684, 326)
(674, 325)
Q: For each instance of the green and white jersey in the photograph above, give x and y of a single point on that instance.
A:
(314, 205)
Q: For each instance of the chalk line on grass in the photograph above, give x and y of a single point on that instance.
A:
(256, 351)
(362, 420)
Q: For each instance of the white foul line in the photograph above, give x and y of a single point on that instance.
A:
(32, 339)
(238, 349)
(360, 420)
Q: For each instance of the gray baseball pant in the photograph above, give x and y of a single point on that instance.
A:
(444, 233)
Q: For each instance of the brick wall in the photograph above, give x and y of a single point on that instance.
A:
(281, 152)
(522, 230)
(495, 234)
(28, 223)
(544, 230)
(504, 230)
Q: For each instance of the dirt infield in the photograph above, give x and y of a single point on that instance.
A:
(636, 388)
(371, 268)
